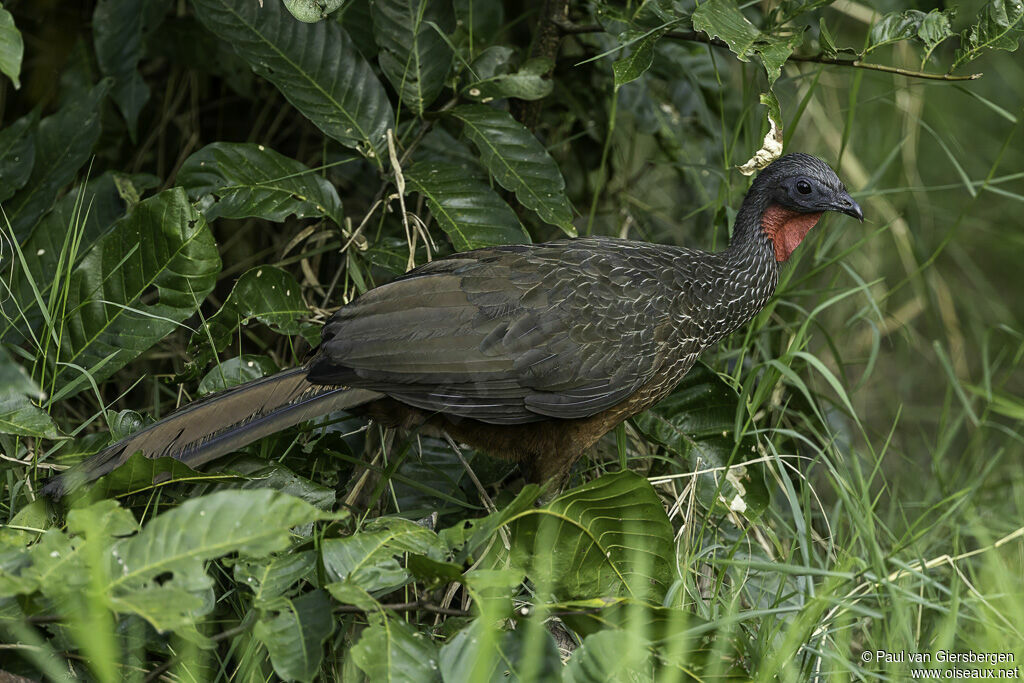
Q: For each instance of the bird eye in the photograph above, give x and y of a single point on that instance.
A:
(803, 187)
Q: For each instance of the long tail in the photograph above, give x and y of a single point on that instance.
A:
(219, 424)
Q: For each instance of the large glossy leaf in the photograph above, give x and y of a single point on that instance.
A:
(239, 180)
(1000, 26)
(467, 209)
(607, 538)
(413, 55)
(391, 651)
(316, 66)
(696, 423)
(294, 634)
(269, 294)
(163, 245)
(17, 154)
(235, 371)
(518, 162)
(63, 143)
(253, 523)
(12, 47)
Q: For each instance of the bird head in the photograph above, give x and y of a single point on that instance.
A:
(794, 191)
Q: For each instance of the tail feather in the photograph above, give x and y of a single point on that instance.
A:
(219, 424)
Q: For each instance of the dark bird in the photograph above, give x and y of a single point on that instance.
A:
(528, 352)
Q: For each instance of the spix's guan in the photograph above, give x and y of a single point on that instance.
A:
(530, 352)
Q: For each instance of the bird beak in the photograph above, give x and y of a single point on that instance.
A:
(844, 204)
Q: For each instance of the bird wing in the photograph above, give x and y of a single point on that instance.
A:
(510, 334)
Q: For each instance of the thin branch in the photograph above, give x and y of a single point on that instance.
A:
(569, 28)
(416, 606)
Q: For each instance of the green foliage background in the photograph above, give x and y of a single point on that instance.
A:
(191, 187)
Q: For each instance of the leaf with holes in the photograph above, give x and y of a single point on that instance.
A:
(518, 162)
(239, 180)
(172, 549)
(163, 247)
(467, 209)
(607, 538)
(413, 55)
(312, 11)
(1000, 26)
(315, 66)
(696, 422)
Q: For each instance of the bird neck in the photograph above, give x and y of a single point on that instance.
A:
(749, 240)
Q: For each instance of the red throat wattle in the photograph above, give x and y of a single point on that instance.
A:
(786, 228)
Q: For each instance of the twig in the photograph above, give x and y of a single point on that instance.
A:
(547, 36)
(569, 28)
(415, 606)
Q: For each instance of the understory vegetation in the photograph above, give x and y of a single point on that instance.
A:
(190, 188)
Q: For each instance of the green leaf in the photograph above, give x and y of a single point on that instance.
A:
(63, 143)
(315, 66)
(239, 180)
(1000, 26)
(467, 209)
(270, 578)
(414, 57)
(279, 478)
(295, 636)
(928, 29)
(162, 244)
(490, 79)
(484, 652)
(267, 293)
(19, 416)
(518, 162)
(630, 68)
(607, 538)
(179, 541)
(612, 655)
(367, 559)
(391, 650)
(722, 18)
(117, 33)
(12, 48)
(696, 422)
(312, 11)
(17, 154)
(235, 371)
(140, 473)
